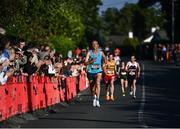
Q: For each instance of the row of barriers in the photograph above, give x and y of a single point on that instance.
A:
(19, 96)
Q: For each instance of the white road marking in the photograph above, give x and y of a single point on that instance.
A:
(141, 109)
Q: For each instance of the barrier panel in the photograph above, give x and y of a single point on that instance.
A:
(22, 95)
(52, 91)
(34, 91)
(11, 97)
(70, 88)
(61, 92)
(2, 102)
(41, 94)
(82, 82)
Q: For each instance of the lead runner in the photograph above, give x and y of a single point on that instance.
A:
(94, 70)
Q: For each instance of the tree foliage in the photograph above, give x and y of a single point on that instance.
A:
(166, 8)
(42, 20)
(132, 18)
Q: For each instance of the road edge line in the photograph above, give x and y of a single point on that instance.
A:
(143, 99)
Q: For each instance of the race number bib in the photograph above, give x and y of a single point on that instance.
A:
(123, 73)
(132, 73)
(95, 66)
(110, 72)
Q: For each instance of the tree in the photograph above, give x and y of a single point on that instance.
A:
(39, 20)
(166, 9)
(132, 18)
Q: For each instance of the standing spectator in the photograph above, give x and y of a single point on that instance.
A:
(44, 52)
(155, 49)
(7, 64)
(172, 53)
(164, 50)
(168, 53)
(159, 53)
(177, 53)
(30, 67)
(21, 45)
(5, 45)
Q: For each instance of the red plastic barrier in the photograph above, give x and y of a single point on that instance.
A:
(25, 95)
(70, 88)
(17, 96)
(52, 91)
(82, 82)
(11, 97)
(2, 102)
(61, 92)
(42, 96)
(34, 91)
(62, 96)
(22, 94)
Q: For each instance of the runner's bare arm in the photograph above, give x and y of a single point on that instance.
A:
(139, 69)
(127, 66)
(87, 62)
(104, 68)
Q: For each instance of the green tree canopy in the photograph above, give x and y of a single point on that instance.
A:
(42, 20)
(132, 18)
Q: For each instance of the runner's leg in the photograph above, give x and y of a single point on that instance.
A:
(112, 88)
(134, 88)
(122, 85)
(98, 88)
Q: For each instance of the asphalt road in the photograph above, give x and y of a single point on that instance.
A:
(157, 104)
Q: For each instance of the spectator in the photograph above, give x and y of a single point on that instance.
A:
(159, 53)
(30, 67)
(168, 57)
(164, 50)
(5, 45)
(177, 53)
(155, 49)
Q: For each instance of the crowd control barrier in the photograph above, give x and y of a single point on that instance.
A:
(52, 91)
(11, 97)
(82, 82)
(34, 93)
(70, 88)
(20, 95)
(2, 103)
(61, 91)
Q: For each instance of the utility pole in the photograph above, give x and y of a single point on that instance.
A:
(173, 19)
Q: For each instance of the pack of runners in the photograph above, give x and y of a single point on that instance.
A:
(110, 68)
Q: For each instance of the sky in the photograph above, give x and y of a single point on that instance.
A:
(114, 3)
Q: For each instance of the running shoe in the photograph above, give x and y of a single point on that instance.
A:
(112, 98)
(107, 97)
(131, 93)
(94, 102)
(123, 94)
(134, 97)
(97, 103)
